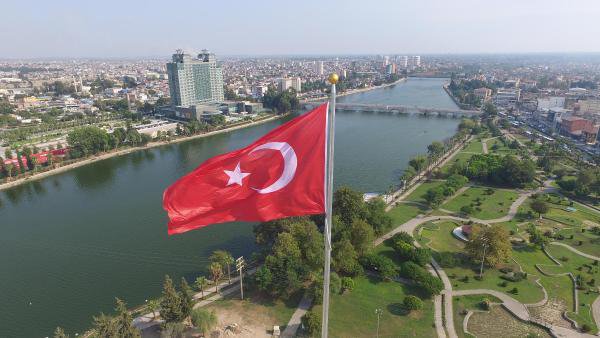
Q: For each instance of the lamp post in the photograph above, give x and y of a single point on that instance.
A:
(378, 312)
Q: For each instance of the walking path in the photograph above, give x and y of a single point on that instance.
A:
(294, 324)
(225, 288)
(592, 257)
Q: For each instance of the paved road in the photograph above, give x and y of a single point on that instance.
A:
(294, 324)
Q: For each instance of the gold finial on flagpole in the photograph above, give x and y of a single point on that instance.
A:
(333, 78)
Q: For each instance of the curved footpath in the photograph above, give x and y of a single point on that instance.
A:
(517, 308)
(592, 257)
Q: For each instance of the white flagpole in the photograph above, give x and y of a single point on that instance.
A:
(333, 79)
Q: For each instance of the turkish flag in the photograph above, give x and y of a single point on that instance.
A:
(280, 175)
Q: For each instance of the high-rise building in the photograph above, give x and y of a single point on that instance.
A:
(414, 61)
(319, 68)
(297, 84)
(196, 80)
(402, 61)
(284, 84)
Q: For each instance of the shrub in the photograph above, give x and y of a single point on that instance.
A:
(383, 265)
(347, 284)
(204, 320)
(586, 328)
(412, 303)
(485, 304)
(403, 237)
(466, 209)
(311, 322)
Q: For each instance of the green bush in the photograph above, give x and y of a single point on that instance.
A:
(412, 303)
(311, 322)
(204, 320)
(347, 284)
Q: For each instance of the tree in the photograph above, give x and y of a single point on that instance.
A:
(186, 298)
(344, 258)
(494, 240)
(539, 206)
(418, 163)
(225, 259)
(104, 326)
(153, 306)
(361, 236)
(434, 196)
(311, 322)
(536, 236)
(377, 217)
(60, 333)
(86, 141)
(435, 149)
(349, 205)
(204, 320)
(170, 303)
(124, 322)
(216, 272)
(412, 303)
(200, 283)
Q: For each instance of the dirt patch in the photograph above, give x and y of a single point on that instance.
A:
(551, 312)
(499, 323)
(250, 323)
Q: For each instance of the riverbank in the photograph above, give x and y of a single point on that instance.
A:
(121, 152)
(359, 90)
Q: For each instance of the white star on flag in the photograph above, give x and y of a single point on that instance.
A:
(236, 176)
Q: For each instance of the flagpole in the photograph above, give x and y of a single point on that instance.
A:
(333, 79)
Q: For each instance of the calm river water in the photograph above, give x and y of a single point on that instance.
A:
(72, 242)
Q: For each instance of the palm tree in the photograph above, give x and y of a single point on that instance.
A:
(153, 305)
(216, 272)
(201, 282)
(225, 259)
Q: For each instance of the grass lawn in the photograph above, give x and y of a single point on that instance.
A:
(438, 236)
(486, 206)
(461, 157)
(474, 146)
(404, 212)
(590, 242)
(417, 194)
(353, 314)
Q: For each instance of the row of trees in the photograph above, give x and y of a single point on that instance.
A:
(90, 140)
(281, 102)
(436, 150)
(503, 170)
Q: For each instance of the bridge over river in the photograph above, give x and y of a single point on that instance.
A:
(398, 109)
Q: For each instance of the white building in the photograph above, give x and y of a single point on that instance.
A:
(319, 69)
(545, 103)
(414, 61)
(284, 84)
(297, 84)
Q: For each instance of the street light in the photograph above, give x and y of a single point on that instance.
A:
(378, 312)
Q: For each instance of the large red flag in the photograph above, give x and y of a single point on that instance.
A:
(280, 175)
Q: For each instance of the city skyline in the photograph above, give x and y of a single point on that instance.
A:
(64, 29)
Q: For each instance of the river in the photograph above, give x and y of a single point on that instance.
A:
(74, 241)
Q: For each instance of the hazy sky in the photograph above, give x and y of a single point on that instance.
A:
(130, 28)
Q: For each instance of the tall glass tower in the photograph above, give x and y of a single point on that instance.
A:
(196, 80)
